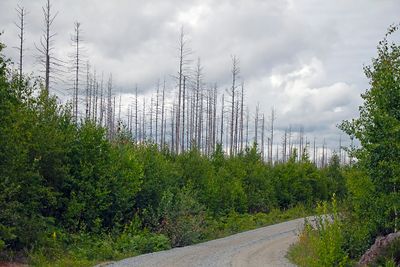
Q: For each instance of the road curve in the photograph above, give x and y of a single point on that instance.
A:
(265, 246)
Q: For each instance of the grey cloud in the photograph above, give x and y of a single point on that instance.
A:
(275, 41)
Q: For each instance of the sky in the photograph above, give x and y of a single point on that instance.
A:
(304, 58)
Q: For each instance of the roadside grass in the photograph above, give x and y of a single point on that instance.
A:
(83, 250)
(322, 242)
(304, 251)
(234, 223)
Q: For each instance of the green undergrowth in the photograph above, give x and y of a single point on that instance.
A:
(235, 223)
(88, 250)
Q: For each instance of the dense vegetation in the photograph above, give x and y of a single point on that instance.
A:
(68, 191)
(371, 207)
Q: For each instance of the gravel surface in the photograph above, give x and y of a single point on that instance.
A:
(265, 246)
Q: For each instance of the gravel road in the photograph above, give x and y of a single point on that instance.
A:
(265, 246)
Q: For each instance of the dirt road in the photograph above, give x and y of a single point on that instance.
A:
(265, 246)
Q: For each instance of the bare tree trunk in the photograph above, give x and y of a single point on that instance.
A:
(222, 121)
(101, 100)
(284, 146)
(188, 120)
(235, 73)
(247, 126)
(241, 118)
(136, 114)
(109, 108)
(200, 134)
(87, 91)
(162, 115)
(262, 138)
(144, 120)
(113, 119)
(198, 109)
(96, 96)
(192, 119)
(214, 117)
(76, 41)
(46, 46)
(183, 53)
(151, 118)
(256, 125)
(21, 27)
(183, 114)
(157, 94)
(119, 114)
(272, 131)
(314, 153)
(93, 95)
(172, 127)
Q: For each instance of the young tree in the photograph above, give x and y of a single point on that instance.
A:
(377, 127)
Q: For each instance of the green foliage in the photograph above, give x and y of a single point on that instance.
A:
(371, 195)
(179, 216)
(322, 240)
(68, 194)
(299, 182)
(378, 127)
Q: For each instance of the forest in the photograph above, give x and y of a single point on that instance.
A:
(83, 181)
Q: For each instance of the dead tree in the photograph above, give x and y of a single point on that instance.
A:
(290, 145)
(21, 27)
(101, 100)
(284, 146)
(241, 118)
(221, 140)
(262, 138)
(198, 106)
(247, 126)
(119, 111)
(256, 124)
(214, 116)
(113, 119)
(136, 114)
(183, 61)
(189, 121)
(183, 114)
(144, 121)
(301, 142)
(94, 90)
(109, 108)
(236, 127)
(46, 46)
(151, 118)
(172, 127)
(87, 93)
(162, 116)
(157, 96)
(76, 66)
(272, 132)
(234, 73)
(314, 153)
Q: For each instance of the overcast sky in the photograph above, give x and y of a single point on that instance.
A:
(303, 57)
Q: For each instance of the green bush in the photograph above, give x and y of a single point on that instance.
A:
(322, 241)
